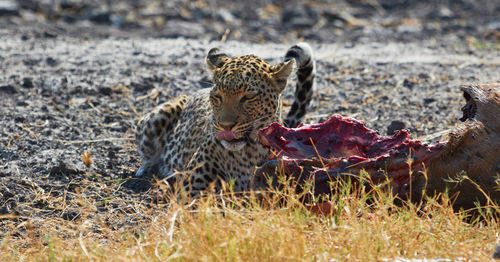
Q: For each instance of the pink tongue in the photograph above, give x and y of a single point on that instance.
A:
(227, 135)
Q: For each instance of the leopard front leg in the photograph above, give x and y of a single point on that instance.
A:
(213, 169)
(151, 134)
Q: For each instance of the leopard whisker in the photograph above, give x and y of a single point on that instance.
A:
(252, 122)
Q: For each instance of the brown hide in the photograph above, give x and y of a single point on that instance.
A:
(473, 150)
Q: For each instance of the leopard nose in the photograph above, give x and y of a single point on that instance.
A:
(227, 125)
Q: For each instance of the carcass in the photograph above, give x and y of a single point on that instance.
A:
(468, 165)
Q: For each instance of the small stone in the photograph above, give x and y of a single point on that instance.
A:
(51, 61)
(9, 8)
(65, 168)
(141, 87)
(27, 82)
(496, 255)
(105, 90)
(408, 83)
(8, 89)
(428, 100)
(226, 15)
(73, 5)
(101, 18)
(424, 76)
(395, 126)
(299, 16)
(20, 119)
(49, 34)
(392, 4)
(177, 28)
(70, 215)
(31, 62)
(109, 119)
(445, 12)
(409, 28)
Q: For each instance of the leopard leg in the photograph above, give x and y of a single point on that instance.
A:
(152, 132)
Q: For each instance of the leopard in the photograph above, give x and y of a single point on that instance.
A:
(210, 138)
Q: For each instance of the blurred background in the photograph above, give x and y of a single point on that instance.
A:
(477, 22)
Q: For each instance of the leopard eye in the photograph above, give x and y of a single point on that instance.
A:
(249, 96)
(215, 99)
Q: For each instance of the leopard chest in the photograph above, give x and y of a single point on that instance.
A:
(237, 166)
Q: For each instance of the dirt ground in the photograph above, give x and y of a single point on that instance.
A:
(75, 76)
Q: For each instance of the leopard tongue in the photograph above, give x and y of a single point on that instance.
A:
(227, 135)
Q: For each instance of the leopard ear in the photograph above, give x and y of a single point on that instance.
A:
(281, 72)
(215, 59)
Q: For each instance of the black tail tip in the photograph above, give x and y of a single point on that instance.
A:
(301, 52)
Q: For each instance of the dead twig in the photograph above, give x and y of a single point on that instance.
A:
(39, 125)
(56, 106)
(28, 130)
(154, 93)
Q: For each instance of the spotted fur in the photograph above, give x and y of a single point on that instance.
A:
(212, 135)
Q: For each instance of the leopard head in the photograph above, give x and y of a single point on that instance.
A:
(245, 96)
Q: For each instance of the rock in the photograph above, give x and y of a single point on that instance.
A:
(409, 83)
(101, 18)
(22, 103)
(48, 34)
(395, 126)
(5, 172)
(5, 192)
(9, 8)
(141, 87)
(177, 28)
(429, 100)
(138, 185)
(5, 209)
(51, 61)
(496, 255)
(27, 82)
(54, 83)
(111, 119)
(75, 6)
(299, 17)
(70, 215)
(391, 4)
(116, 20)
(226, 15)
(7, 197)
(409, 28)
(65, 167)
(105, 90)
(445, 12)
(31, 62)
(424, 76)
(6, 155)
(8, 89)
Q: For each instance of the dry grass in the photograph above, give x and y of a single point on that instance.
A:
(362, 226)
